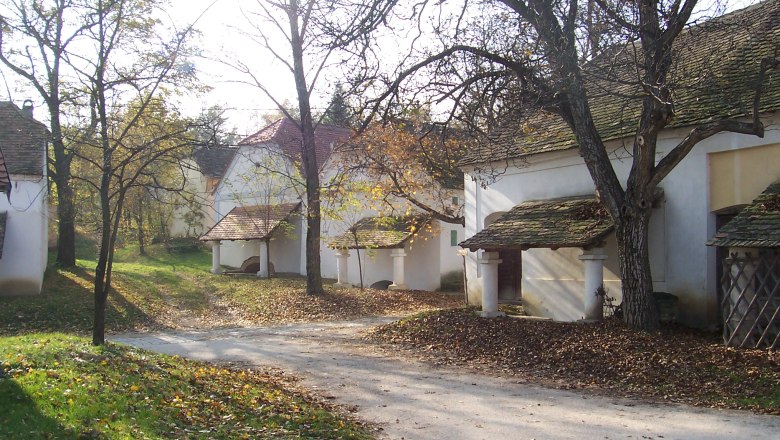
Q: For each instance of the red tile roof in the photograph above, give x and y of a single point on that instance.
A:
(250, 222)
(287, 134)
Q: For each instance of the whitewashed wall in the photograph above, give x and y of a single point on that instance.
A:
(195, 183)
(680, 227)
(25, 249)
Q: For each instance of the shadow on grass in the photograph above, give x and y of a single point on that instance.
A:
(66, 304)
(21, 418)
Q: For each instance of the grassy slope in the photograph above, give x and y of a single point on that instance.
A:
(58, 386)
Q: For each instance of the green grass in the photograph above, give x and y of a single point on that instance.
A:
(59, 386)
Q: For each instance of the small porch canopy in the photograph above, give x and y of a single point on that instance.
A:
(750, 287)
(249, 223)
(385, 232)
(578, 221)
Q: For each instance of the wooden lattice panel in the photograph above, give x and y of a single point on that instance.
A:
(751, 300)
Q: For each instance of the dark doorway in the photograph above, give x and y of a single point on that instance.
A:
(510, 276)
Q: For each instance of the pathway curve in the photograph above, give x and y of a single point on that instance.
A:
(412, 400)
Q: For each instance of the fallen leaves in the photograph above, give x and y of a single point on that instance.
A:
(675, 364)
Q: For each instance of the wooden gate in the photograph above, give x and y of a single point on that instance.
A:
(751, 299)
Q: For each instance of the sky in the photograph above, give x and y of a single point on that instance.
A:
(223, 24)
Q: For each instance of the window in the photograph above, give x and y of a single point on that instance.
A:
(453, 237)
(455, 200)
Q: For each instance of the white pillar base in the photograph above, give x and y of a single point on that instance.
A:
(215, 258)
(342, 257)
(593, 259)
(490, 262)
(263, 272)
(399, 282)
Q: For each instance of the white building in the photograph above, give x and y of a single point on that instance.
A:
(261, 199)
(23, 208)
(535, 236)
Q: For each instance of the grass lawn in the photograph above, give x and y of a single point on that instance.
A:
(164, 290)
(54, 384)
(59, 386)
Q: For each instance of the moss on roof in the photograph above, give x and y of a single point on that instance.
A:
(713, 77)
(380, 232)
(756, 226)
(578, 221)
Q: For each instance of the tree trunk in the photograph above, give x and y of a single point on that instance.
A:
(99, 325)
(66, 224)
(66, 214)
(631, 232)
(141, 235)
(309, 157)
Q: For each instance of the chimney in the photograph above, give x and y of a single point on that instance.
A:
(27, 108)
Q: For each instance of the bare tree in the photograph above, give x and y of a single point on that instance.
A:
(314, 32)
(36, 39)
(505, 62)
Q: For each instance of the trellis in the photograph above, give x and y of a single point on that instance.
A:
(751, 299)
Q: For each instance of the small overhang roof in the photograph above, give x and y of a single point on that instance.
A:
(756, 226)
(578, 221)
(250, 222)
(380, 232)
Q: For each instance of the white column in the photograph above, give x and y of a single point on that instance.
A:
(342, 260)
(490, 262)
(215, 269)
(304, 231)
(399, 282)
(593, 261)
(263, 272)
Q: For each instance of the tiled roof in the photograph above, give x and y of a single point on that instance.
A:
(716, 65)
(756, 226)
(250, 222)
(578, 221)
(288, 136)
(5, 181)
(213, 161)
(23, 141)
(380, 232)
(3, 217)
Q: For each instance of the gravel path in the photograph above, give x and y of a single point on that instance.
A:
(411, 400)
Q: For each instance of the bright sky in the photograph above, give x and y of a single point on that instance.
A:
(221, 23)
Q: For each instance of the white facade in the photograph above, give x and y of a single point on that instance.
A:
(25, 250)
(196, 185)
(681, 263)
(259, 175)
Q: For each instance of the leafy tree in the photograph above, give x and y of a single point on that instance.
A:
(410, 162)
(339, 111)
(126, 66)
(504, 62)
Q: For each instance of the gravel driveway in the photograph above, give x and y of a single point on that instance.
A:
(411, 400)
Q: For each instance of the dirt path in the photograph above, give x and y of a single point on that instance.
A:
(411, 400)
